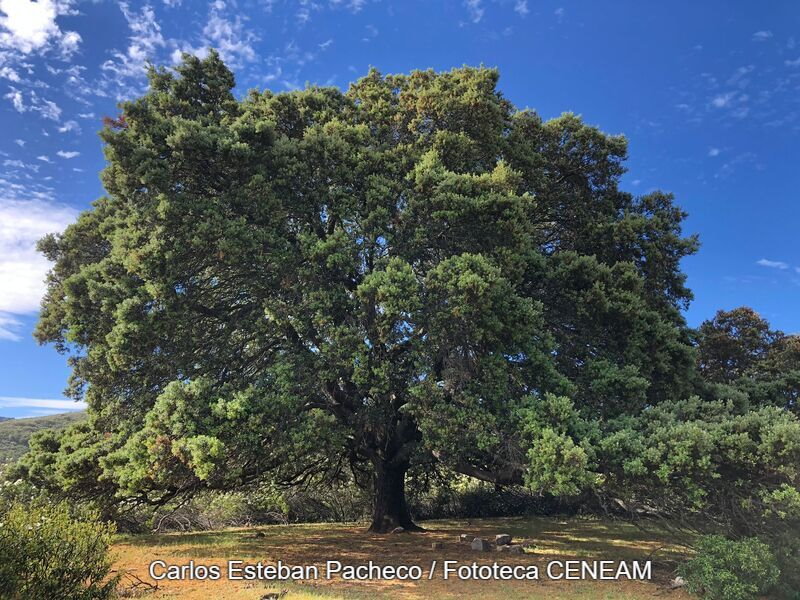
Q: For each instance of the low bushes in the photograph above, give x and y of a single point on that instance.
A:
(726, 569)
(46, 553)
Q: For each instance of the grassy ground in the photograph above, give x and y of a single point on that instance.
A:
(552, 539)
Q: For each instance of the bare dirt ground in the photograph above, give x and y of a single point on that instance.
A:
(550, 539)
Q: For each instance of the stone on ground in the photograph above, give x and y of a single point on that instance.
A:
(480, 544)
(678, 582)
(502, 539)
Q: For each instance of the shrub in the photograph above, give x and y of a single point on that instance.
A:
(726, 569)
(45, 553)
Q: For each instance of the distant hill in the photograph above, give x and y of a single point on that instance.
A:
(14, 433)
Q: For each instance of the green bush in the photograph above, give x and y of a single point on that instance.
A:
(726, 569)
(47, 554)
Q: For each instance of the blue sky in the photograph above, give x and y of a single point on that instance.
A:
(708, 94)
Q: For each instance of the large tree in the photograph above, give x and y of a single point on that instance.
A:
(738, 349)
(297, 283)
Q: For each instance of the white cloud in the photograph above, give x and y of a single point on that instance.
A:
(773, 264)
(16, 100)
(16, 402)
(762, 36)
(68, 44)
(27, 26)
(22, 268)
(792, 63)
(356, 5)
(739, 77)
(9, 73)
(353, 6)
(713, 151)
(521, 7)
(303, 15)
(69, 126)
(20, 143)
(475, 10)
(18, 164)
(227, 34)
(44, 158)
(46, 108)
(559, 13)
(722, 100)
(126, 70)
(9, 327)
(68, 154)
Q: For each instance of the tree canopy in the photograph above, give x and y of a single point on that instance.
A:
(412, 271)
(738, 349)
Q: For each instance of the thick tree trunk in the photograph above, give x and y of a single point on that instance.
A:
(390, 509)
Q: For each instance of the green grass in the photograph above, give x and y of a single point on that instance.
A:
(15, 433)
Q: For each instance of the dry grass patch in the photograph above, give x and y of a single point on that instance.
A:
(314, 544)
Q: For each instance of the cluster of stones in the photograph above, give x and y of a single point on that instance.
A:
(502, 543)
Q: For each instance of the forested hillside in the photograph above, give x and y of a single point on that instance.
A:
(14, 433)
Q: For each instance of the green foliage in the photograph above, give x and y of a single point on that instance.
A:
(707, 464)
(561, 459)
(301, 283)
(45, 553)
(737, 349)
(730, 570)
(15, 433)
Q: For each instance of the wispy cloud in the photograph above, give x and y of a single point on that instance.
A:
(773, 264)
(124, 74)
(18, 402)
(9, 327)
(762, 36)
(226, 31)
(7, 72)
(68, 153)
(521, 7)
(46, 108)
(722, 100)
(475, 10)
(69, 126)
